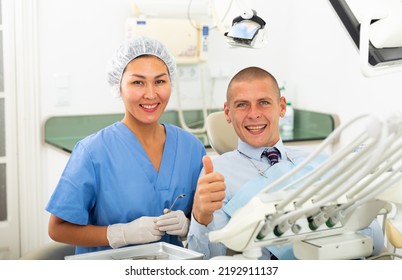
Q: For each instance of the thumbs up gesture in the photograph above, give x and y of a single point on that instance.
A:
(209, 194)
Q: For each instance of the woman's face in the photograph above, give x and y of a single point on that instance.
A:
(145, 89)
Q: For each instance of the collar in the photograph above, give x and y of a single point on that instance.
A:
(255, 153)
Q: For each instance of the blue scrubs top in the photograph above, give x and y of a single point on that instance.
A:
(109, 179)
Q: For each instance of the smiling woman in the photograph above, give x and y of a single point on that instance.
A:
(120, 181)
(145, 91)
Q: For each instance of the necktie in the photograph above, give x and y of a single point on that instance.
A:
(272, 155)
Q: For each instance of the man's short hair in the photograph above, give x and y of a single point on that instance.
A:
(249, 74)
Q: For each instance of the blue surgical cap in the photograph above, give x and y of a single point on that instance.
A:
(132, 49)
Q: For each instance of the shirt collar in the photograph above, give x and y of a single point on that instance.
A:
(255, 153)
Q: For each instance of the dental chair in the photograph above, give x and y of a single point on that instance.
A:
(221, 134)
(223, 138)
(393, 226)
(321, 211)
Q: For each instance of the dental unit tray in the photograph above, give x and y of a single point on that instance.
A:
(153, 251)
(321, 211)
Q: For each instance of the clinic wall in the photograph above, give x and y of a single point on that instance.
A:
(77, 39)
(309, 51)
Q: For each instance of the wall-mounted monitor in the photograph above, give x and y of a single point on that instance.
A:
(376, 56)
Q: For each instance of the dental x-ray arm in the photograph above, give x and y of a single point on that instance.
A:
(335, 199)
(364, 44)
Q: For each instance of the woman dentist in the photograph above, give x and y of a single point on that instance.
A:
(120, 181)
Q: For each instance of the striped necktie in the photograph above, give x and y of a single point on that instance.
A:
(272, 155)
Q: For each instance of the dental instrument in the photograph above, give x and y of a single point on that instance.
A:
(174, 202)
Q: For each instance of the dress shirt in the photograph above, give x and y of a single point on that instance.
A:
(237, 169)
(240, 174)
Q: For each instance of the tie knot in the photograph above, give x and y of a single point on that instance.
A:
(272, 155)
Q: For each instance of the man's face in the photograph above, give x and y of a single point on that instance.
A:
(254, 108)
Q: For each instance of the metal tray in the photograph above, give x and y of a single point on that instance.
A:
(153, 251)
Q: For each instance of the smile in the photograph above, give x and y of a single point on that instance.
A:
(255, 128)
(149, 107)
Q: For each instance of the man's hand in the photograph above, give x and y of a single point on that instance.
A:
(209, 194)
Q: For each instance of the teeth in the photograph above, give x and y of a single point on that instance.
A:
(255, 127)
(149, 106)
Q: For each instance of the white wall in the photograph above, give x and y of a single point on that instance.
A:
(308, 49)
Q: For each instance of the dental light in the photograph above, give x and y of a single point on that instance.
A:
(321, 212)
(248, 30)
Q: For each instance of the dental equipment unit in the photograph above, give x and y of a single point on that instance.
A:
(321, 212)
